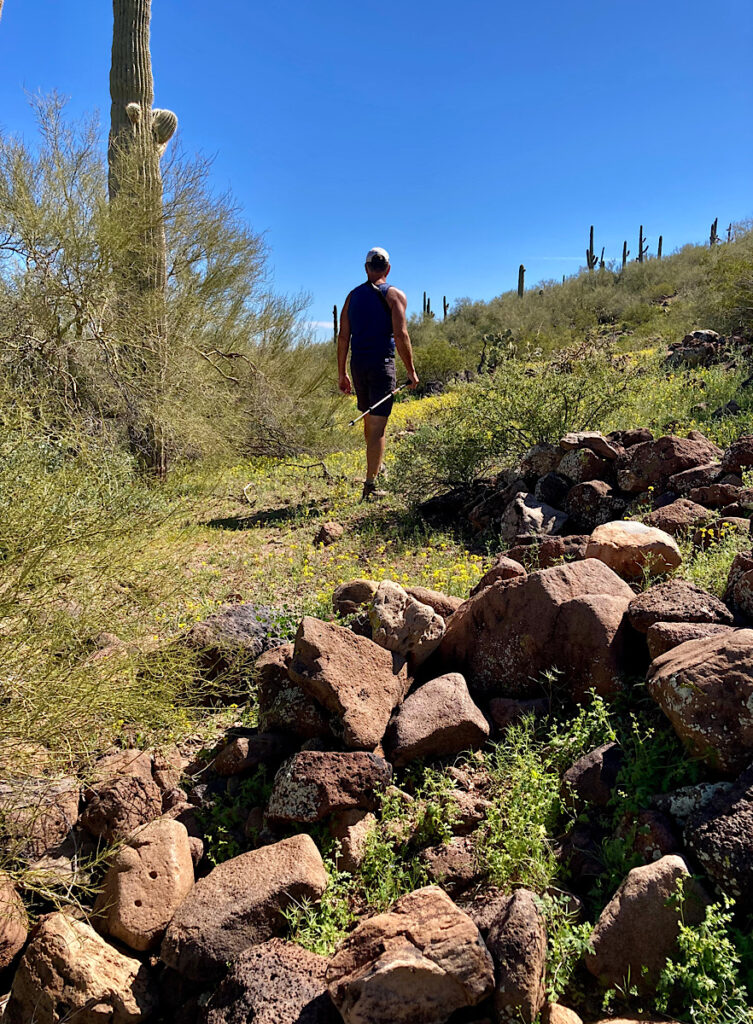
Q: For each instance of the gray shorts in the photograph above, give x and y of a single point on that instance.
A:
(373, 381)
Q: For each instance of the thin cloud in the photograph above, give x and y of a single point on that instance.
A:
(320, 323)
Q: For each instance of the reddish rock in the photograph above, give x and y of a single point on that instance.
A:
(591, 504)
(705, 688)
(14, 921)
(555, 1013)
(351, 677)
(69, 973)
(349, 597)
(505, 711)
(283, 704)
(676, 601)
(275, 982)
(540, 460)
(739, 455)
(552, 489)
(419, 962)
(37, 814)
(351, 829)
(443, 604)
(437, 719)
(739, 592)
(638, 929)
(682, 516)
(313, 784)
(244, 753)
(545, 552)
(329, 533)
(630, 438)
(569, 617)
(654, 836)
(239, 904)
(591, 780)
(120, 807)
(664, 636)
(720, 836)
(516, 940)
(147, 881)
(632, 549)
(504, 568)
(702, 477)
(453, 865)
(714, 495)
(652, 464)
(580, 465)
(403, 625)
(592, 441)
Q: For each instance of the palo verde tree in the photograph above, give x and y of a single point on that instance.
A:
(139, 133)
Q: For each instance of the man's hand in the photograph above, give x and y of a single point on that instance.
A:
(412, 380)
(345, 386)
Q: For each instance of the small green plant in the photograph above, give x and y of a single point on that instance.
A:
(223, 819)
(701, 984)
(321, 926)
(514, 842)
(567, 942)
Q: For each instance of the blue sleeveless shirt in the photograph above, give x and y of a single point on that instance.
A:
(371, 339)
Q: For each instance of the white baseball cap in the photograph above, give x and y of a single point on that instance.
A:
(377, 251)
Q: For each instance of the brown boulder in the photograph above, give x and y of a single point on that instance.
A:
(630, 438)
(593, 441)
(275, 982)
(590, 781)
(714, 495)
(739, 592)
(351, 830)
(569, 617)
(676, 601)
(117, 809)
(312, 784)
(720, 836)
(592, 504)
(437, 719)
(349, 597)
(69, 973)
(504, 568)
(555, 1013)
(632, 549)
(37, 814)
(147, 881)
(526, 516)
(540, 460)
(328, 533)
(681, 516)
(240, 903)
(415, 964)
(14, 921)
(453, 865)
(352, 677)
(517, 942)
(545, 552)
(505, 711)
(403, 625)
(580, 465)
(705, 688)
(638, 929)
(664, 636)
(684, 482)
(244, 753)
(283, 704)
(652, 463)
(443, 604)
(739, 455)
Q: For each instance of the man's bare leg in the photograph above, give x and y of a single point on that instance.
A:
(374, 428)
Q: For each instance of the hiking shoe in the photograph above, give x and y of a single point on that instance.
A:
(370, 491)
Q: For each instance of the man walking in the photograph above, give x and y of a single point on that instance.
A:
(372, 325)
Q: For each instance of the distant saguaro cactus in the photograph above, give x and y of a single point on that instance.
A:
(521, 280)
(625, 254)
(729, 229)
(714, 236)
(138, 136)
(445, 306)
(423, 308)
(591, 257)
(334, 322)
(642, 247)
(659, 246)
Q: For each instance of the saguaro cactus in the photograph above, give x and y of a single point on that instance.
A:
(334, 322)
(445, 307)
(714, 236)
(625, 254)
(659, 246)
(591, 257)
(521, 280)
(139, 134)
(642, 246)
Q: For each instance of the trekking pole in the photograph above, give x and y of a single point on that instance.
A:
(377, 404)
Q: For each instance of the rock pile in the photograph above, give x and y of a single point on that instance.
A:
(344, 710)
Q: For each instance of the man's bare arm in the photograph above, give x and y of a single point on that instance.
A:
(343, 344)
(398, 305)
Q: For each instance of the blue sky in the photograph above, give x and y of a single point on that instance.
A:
(464, 137)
